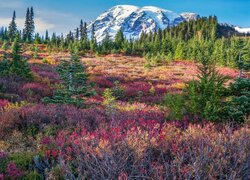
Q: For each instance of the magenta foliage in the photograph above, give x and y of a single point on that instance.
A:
(151, 149)
(13, 171)
(3, 103)
(36, 91)
(3, 155)
(46, 71)
(103, 82)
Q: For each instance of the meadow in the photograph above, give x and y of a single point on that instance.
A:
(122, 132)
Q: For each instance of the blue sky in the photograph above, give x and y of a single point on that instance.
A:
(62, 15)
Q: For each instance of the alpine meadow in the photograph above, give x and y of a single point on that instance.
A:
(139, 92)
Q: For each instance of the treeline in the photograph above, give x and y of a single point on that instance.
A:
(182, 42)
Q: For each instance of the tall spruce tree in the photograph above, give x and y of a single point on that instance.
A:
(32, 22)
(83, 30)
(26, 26)
(29, 26)
(12, 27)
(119, 40)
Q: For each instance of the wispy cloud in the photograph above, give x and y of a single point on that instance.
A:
(40, 24)
(63, 22)
(11, 4)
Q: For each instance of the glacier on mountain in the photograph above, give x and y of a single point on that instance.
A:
(133, 20)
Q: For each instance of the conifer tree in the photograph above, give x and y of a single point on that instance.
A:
(106, 44)
(93, 33)
(26, 26)
(29, 26)
(93, 42)
(74, 82)
(46, 36)
(83, 30)
(205, 95)
(5, 47)
(32, 22)
(77, 34)
(4, 63)
(119, 39)
(19, 65)
(12, 27)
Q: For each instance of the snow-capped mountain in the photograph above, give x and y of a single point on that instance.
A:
(236, 28)
(190, 16)
(242, 30)
(133, 20)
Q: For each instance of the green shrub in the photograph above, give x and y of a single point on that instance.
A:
(109, 102)
(204, 97)
(33, 176)
(3, 162)
(175, 102)
(238, 106)
(32, 130)
(117, 90)
(45, 61)
(51, 130)
(22, 159)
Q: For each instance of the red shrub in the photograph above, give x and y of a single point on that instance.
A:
(36, 91)
(148, 149)
(102, 82)
(13, 172)
(3, 103)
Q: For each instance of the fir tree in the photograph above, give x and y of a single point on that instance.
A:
(205, 95)
(74, 82)
(26, 30)
(29, 28)
(83, 30)
(77, 34)
(19, 65)
(93, 33)
(12, 27)
(119, 39)
(4, 63)
(46, 36)
(32, 23)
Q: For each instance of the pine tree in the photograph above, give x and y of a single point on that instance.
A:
(12, 27)
(204, 97)
(83, 30)
(93, 33)
(85, 33)
(106, 44)
(19, 65)
(93, 42)
(26, 26)
(5, 47)
(4, 63)
(119, 39)
(29, 26)
(74, 82)
(32, 23)
(46, 37)
(77, 34)
(179, 53)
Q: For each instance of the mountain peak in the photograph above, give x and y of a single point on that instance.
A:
(133, 20)
(190, 16)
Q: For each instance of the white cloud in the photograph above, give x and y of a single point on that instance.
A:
(10, 4)
(41, 25)
(45, 19)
